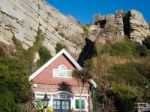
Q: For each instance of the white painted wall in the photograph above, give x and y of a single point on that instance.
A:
(40, 95)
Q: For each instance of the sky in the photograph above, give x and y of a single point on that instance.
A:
(84, 10)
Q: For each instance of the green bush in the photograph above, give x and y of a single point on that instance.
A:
(44, 54)
(144, 69)
(128, 74)
(85, 30)
(50, 109)
(14, 80)
(39, 37)
(104, 50)
(125, 47)
(58, 47)
(39, 106)
(124, 98)
(7, 103)
(16, 42)
(14, 73)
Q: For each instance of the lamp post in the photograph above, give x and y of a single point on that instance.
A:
(45, 101)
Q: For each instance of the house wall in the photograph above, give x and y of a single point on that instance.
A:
(46, 76)
(46, 83)
(85, 97)
(55, 88)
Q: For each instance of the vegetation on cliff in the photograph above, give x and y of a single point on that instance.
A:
(124, 65)
(14, 72)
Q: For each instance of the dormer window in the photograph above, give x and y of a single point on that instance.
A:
(62, 71)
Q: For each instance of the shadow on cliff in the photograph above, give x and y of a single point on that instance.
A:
(87, 51)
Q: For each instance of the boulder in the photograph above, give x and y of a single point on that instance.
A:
(139, 28)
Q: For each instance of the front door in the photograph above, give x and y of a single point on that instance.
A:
(61, 105)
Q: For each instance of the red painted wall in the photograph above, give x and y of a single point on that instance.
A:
(46, 76)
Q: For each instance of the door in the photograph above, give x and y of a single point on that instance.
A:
(61, 105)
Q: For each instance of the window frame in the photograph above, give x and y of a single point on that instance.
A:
(63, 104)
(58, 74)
(84, 104)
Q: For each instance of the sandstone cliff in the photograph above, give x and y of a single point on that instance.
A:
(22, 17)
(139, 28)
(131, 23)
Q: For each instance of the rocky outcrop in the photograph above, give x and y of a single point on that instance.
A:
(6, 50)
(139, 29)
(110, 25)
(22, 17)
(120, 24)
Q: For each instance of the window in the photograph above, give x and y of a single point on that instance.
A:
(80, 104)
(56, 104)
(61, 105)
(62, 72)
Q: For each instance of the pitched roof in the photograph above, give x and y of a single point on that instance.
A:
(63, 51)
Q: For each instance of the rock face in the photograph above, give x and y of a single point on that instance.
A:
(23, 17)
(110, 25)
(120, 24)
(6, 50)
(139, 28)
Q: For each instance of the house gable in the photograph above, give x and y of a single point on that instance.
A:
(62, 58)
(47, 75)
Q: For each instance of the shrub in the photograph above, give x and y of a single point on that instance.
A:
(50, 109)
(39, 106)
(7, 103)
(127, 73)
(104, 49)
(14, 72)
(58, 47)
(39, 37)
(16, 42)
(124, 98)
(85, 30)
(144, 69)
(125, 47)
(14, 80)
(44, 54)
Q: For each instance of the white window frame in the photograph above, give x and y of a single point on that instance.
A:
(57, 69)
(85, 104)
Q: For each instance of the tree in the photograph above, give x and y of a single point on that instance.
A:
(7, 103)
(82, 77)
